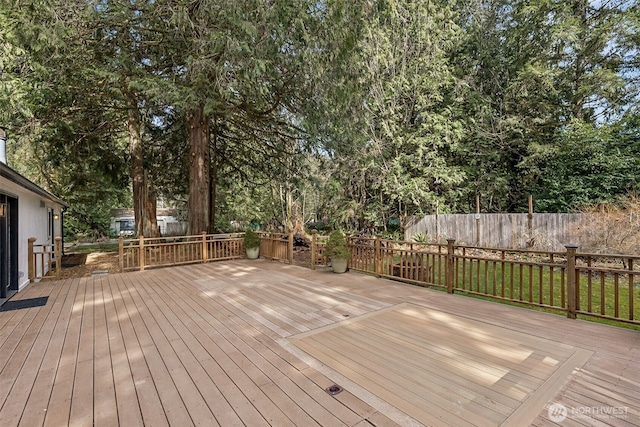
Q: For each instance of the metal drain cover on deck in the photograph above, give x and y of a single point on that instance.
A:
(333, 389)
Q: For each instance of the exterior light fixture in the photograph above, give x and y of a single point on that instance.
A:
(56, 217)
(3, 209)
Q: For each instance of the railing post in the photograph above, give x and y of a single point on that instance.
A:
(572, 295)
(58, 253)
(121, 254)
(32, 260)
(141, 253)
(272, 246)
(205, 254)
(290, 247)
(377, 255)
(449, 269)
(314, 254)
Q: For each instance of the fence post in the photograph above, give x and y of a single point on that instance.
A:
(121, 254)
(32, 260)
(141, 253)
(290, 247)
(449, 272)
(572, 295)
(205, 254)
(314, 241)
(377, 256)
(58, 254)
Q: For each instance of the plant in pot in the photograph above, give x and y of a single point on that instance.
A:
(337, 252)
(252, 244)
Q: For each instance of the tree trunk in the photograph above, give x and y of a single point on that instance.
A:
(144, 198)
(214, 178)
(137, 167)
(150, 225)
(199, 171)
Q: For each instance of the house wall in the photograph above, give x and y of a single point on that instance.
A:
(168, 225)
(32, 222)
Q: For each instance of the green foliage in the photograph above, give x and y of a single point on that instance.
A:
(346, 113)
(421, 238)
(587, 165)
(336, 247)
(397, 158)
(251, 239)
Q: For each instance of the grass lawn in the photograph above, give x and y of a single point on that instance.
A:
(544, 287)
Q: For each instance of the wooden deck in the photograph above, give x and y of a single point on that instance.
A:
(257, 343)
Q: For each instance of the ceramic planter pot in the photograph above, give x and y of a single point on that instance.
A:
(339, 265)
(252, 253)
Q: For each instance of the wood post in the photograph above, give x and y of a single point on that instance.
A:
(314, 249)
(121, 254)
(58, 254)
(32, 261)
(377, 256)
(448, 277)
(141, 253)
(530, 221)
(272, 246)
(572, 295)
(437, 236)
(205, 251)
(290, 247)
(477, 220)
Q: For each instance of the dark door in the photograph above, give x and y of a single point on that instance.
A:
(8, 246)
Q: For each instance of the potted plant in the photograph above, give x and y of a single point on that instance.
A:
(252, 244)
(337, 252)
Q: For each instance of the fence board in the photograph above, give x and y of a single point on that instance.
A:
(549, 231)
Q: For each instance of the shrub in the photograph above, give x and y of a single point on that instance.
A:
(611, 228)
(251, 239)
(421, 238)
(336, 247)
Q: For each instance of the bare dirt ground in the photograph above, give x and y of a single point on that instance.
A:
(83, 264)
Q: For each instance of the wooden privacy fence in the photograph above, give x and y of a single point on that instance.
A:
(546, 231)
(41, 259)
(600, 285)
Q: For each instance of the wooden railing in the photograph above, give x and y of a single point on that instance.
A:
(606, 286)
(276, 246)
(578, 283)
(142, 253)
(597, 285)
(41, 259)
(318, 244)
(417, 263)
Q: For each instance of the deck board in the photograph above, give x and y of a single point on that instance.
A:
(390, 354)
(211, 344)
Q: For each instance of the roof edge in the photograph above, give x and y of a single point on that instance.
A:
(17, 178)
